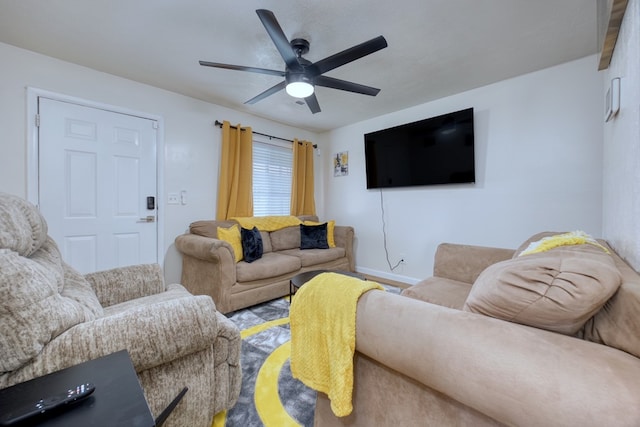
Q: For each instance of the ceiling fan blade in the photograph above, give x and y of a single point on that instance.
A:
(345, 85)
(348, 55)
(279, 38)
(268, 92)
(242, 68)
(312, 103)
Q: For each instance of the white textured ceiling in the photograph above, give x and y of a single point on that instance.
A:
(436, 47)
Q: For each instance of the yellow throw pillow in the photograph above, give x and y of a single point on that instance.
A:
(330, 228)
(231, 235)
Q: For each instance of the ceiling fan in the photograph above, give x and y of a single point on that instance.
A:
(300, 75)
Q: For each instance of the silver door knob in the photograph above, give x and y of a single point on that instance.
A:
(148, 218)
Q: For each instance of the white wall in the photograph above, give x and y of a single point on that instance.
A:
(621, 223)
(538, 159)
(538, 167)
(191, 141)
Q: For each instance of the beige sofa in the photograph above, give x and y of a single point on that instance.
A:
(52, 317)
(423, 360)
(209, 267)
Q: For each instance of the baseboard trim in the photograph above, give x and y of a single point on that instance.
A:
(390, 279)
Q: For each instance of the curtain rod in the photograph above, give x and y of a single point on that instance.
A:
(219, 124)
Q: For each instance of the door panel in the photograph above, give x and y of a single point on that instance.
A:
(96, 170)
(80, 252)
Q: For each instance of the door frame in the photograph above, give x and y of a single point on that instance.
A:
(33, 142)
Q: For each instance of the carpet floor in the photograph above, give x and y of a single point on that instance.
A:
(269, 396)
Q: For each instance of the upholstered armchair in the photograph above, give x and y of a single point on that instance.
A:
(52, 317)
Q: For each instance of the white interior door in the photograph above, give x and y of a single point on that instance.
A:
(97, 169)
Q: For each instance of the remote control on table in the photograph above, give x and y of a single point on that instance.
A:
(47, 404)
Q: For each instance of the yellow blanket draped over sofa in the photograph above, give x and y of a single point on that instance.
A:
(268, 223)
(323, 335)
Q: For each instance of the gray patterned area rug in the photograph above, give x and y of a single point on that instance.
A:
(269, 396)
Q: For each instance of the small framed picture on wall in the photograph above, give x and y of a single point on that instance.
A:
(341, 163)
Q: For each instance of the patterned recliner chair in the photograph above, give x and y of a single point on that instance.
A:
(52, 317)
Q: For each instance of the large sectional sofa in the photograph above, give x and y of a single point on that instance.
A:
(209, 266)
(447, 353)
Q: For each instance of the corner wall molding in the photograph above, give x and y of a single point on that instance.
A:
(611, 36)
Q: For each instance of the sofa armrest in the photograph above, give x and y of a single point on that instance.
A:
(464, 263)
(343, 235)
(153, 334)
(126, 283)
(204, 248)
(208, 267)
(228, 340)
(514, 374)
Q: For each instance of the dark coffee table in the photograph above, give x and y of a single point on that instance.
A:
(300, 279)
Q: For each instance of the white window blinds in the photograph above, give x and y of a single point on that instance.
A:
(272, 168)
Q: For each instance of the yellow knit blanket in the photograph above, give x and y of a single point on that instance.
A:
(566, 239)
(267, 223)
(323, 335)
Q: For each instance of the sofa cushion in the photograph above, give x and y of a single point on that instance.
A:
(266, 241)
(270, 265)
(173, 292)
(32, 311)
(440, 291)
(22, 227)
(311, 257)
(286, 238)
(251, 244)
(209, 228)
(77, 288)
(313, 236)
(232, 236)
(558, 290)
(617, 324)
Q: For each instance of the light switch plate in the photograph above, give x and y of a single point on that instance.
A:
(173, 199)
(612, 100)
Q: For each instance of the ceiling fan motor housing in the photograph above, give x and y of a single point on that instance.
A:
(300, 46)
(297, 77)
(299, 83)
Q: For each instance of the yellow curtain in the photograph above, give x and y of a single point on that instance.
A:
(302, 198)
(235, 183)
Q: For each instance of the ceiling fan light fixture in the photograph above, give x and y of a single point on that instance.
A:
(300, 89)
(299, 86)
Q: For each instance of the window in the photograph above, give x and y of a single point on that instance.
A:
(272, 168)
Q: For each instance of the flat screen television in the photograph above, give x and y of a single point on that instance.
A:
(433, 151)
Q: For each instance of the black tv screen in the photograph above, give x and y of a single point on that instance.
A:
(437, 150)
